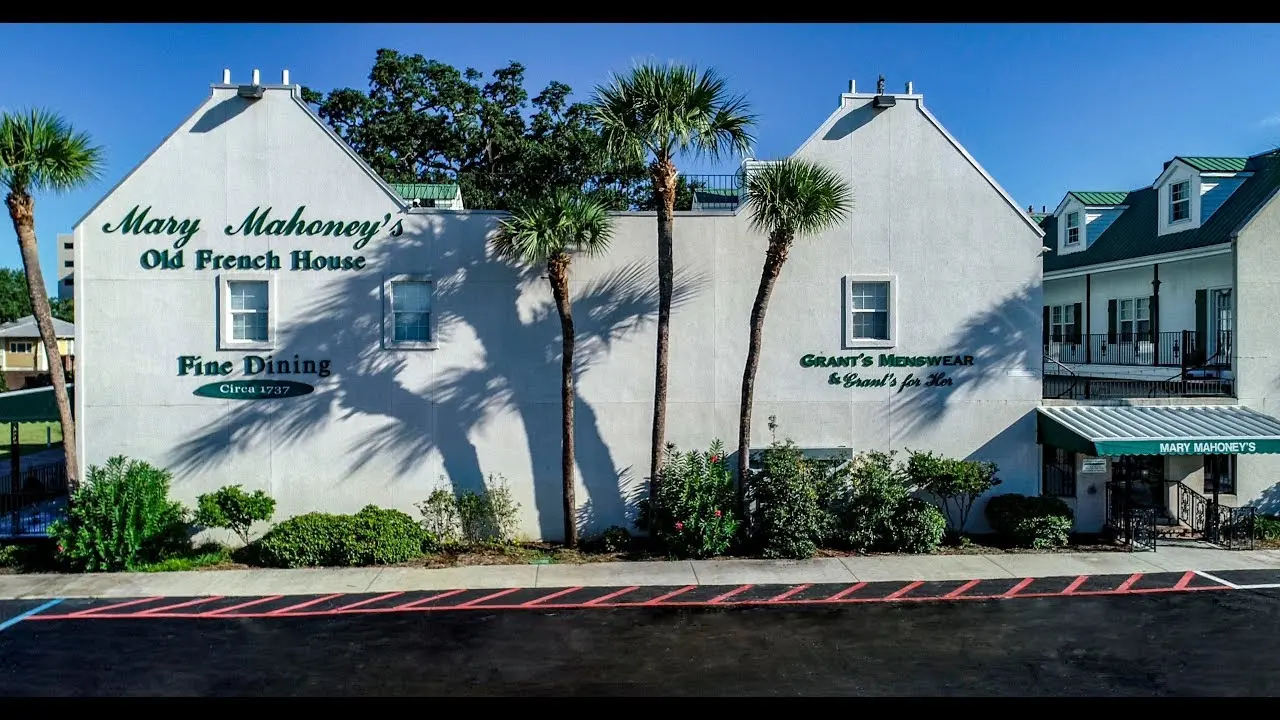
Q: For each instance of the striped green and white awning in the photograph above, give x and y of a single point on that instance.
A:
(1112, 430)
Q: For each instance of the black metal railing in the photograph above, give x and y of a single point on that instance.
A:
(1134, 525)
(1190, 508)
(1184, 349)
(31, 502)
(494, 191)
(1232, 527)
(1083, 388)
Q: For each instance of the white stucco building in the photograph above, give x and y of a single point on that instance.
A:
(254, 245)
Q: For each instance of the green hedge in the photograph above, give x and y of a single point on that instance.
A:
(1030, 521)
(373, 536)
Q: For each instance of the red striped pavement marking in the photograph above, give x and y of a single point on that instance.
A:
(552, 596)
(82, 613)
(370, 601)
(427, 599)
(1124, 586)
(789, 593)
(220, 611)
(612, 595)
(903, 590)
(1023, 583)
(671, 594)
(847, 591)
(1075, 584)
(729, 594)
(490, 596)
(1185, 581)
(960, 590)
(308, 603)
(189, 603)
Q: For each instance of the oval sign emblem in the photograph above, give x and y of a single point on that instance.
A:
(253, 389)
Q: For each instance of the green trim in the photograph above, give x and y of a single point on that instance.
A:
(1104, 197)
(1215, 164)
(1055, 434)
(1190, 446)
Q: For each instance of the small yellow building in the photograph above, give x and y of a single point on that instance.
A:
(23, 359)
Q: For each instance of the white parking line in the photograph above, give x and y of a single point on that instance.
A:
(1216, 579)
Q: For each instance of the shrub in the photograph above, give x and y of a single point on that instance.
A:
(917, 526)
(695, 510)
(1266, 527)
(615, 539)
(231, 508)
(1030, 521)
(787, 520)
(956, 483)
(863, 516)
(373, 536)
(488, 516)
(120, 518)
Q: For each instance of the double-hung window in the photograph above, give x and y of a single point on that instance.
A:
(1220, 470)
(870, 304)
(409, 313)
(1134, 319)
(247, 321)
(1062, 323)
(1073, 228)
(1179, 201)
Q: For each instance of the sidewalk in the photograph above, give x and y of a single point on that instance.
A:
(233, 583)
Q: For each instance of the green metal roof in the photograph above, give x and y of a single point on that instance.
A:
(34, 405)
(425, 191)
(1215, 164)
(1134, 233)
(1105, 197)
(1112, 430)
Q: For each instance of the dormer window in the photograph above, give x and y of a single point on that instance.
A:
(1179, 201)
(1073, 228)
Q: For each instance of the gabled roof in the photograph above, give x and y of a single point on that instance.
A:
(1215, 164)
(1134, 234)
(425, 191)
(26, 328)
(1104, 197)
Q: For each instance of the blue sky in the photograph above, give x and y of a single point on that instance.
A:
(1044, 108)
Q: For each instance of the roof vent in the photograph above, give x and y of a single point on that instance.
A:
(252, 91)
(881, 102)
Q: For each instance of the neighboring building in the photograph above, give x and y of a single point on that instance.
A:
(257, 306)
(66, 266)
(22, 357)
(425, 195)
(1166, 295)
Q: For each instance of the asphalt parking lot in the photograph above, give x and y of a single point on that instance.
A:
(1052, 636)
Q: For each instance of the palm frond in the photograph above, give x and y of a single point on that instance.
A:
(660, 110)
(797, 197)
(561, 222)
(40, 151)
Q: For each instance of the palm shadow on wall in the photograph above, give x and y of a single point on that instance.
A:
(516, 370)
(1003, 338)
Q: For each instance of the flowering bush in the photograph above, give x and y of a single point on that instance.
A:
(694, 510)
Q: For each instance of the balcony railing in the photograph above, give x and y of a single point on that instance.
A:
(1182, 349)
(1070, 387)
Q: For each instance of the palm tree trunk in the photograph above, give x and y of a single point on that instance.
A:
(664, 186)
(22, 211)
(773, 259)
(558, 274)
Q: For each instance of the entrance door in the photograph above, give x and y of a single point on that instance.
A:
(1220, 325)
(1142, 478)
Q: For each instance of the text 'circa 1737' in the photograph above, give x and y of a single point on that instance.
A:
(260, 222)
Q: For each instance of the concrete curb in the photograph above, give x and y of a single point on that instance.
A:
(729, 571)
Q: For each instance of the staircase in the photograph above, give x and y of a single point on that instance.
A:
(1192, 515)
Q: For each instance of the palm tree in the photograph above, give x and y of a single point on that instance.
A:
(549, 231)
(651, 114)
(787, 199)
(40, 152)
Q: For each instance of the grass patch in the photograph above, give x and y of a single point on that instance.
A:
(31, 438)
(209, 555)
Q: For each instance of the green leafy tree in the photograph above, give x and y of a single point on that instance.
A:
(15, 301)
(63, 309)
(424, 121)
(548, 232)
(650, 115)
(231, 508)
(788, 199)
(40, 152)
(956, 483)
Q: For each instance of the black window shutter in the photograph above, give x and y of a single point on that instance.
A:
(1079, 323)
(1202, 326)
(1045, 334)
(1112, 320)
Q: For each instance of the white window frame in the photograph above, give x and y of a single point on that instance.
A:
(1061, 324)
(1075, 227)
(225, 326)
(11, 343)
(850, 341)
(1186, 198)
(1120, 321)
(388, 315)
